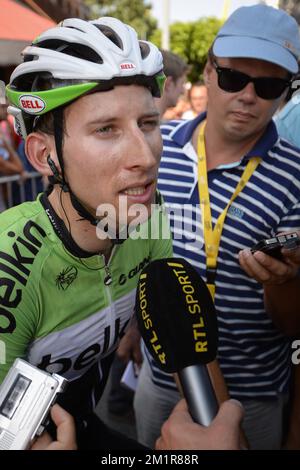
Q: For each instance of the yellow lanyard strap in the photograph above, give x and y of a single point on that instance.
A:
(212, 236)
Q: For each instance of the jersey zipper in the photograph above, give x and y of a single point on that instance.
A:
(107, 278)
(111, 315)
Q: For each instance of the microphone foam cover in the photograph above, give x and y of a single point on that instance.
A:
(176, 315)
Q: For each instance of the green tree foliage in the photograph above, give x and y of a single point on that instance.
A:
(137, 13)
(203, 34)
(191, 41)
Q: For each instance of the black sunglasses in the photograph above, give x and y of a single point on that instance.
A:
(267, 88)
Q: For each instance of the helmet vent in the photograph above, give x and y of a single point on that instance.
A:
(110, 34)
(145, 49)
(29, 57)
(75, 50)
(33, 82)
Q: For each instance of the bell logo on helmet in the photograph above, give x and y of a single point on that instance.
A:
(32, 104)
(127, 66)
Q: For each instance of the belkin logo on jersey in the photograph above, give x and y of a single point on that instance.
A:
(17, 264)
(72, 351)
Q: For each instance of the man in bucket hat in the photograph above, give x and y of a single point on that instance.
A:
(260, 32)
(243, 182)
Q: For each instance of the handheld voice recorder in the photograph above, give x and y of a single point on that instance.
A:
(26, 395)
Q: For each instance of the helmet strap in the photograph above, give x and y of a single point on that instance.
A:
(61, 180)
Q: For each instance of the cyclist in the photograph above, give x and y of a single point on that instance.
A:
(84, 101)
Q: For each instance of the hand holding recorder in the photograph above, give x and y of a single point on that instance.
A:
(26, 395)
(66, 434)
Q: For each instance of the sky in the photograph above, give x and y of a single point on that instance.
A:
(192, 10)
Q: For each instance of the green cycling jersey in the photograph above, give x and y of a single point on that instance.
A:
(63, 313)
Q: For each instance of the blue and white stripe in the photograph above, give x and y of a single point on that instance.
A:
(253, 354)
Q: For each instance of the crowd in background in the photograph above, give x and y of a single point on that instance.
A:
(13, 162)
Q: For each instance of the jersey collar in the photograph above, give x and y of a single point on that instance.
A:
(182, 135)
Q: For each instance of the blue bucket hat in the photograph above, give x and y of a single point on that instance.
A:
(260, 32)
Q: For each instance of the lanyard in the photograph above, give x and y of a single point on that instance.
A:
(212, 237)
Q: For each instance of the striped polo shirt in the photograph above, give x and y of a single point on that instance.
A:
(254, 356)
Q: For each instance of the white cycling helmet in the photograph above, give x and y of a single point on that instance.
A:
(77, 57)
